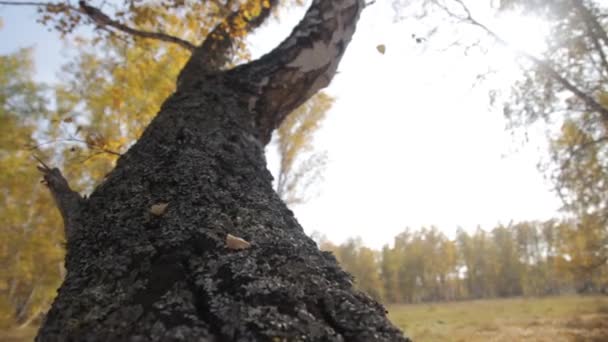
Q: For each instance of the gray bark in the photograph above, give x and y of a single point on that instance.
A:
(138, 275)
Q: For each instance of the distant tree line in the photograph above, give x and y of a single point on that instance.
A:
(520, 259)
(562, 87)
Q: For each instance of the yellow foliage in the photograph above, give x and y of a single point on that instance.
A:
(603, 99)
(299, 166)
(111, 97)
(31, 255)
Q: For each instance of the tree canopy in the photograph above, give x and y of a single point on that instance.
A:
(31, 251)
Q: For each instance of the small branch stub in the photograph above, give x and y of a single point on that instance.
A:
(236, 243)
(159, 209)
(67, 200)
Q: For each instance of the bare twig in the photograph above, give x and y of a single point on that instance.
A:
(102, 149)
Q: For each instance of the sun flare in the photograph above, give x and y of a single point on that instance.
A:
(523, 32)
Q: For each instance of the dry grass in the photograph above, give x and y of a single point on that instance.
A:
(555, 319)
(26, 334)
(559, 319)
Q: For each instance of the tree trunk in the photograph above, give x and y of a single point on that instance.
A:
(138, 272)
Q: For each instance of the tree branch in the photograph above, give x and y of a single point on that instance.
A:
(101, 19)
(277, 83)
(574, 151)
(74, 140)
(23, 3)
(67, 200)
(589, 101)
(591, 20)
(595, 31)
(214, 53)
(600, 51)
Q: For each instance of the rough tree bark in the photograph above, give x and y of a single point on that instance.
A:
(140, 271)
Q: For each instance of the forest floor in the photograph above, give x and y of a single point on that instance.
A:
(556, 319)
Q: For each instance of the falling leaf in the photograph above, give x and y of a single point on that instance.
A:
(381, 48)
(95, 139)
(236, 243)
(69, 119)
(158, 209)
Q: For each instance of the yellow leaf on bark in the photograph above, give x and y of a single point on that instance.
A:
(236, 243)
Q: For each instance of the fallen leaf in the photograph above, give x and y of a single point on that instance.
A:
(236, 243)
(158, 209)
(381, 48)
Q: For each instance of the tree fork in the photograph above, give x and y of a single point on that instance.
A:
(153, 258)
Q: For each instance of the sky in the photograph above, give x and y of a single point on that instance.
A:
(411, 140)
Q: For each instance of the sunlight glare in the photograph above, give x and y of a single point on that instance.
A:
(523, 32)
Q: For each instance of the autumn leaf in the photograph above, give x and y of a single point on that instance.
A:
(236, 243)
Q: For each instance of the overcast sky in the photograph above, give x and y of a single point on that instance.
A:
(411, 142)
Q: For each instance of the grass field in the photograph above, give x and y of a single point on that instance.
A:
(554, 319)
(26, 334)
